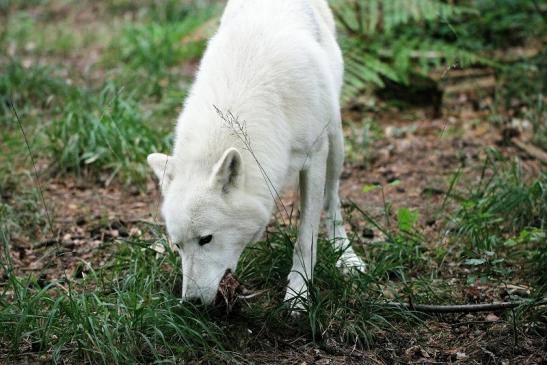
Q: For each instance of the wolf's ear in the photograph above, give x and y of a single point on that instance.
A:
(162, 165)
(227, 173)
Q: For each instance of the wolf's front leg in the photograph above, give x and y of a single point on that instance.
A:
(312, 182)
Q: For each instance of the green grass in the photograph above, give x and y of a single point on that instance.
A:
(32, 90)
(104, 121)
(81, 130)
(124, 313)
(21, 214)
(501, 206)
(110, 134)
(109, 128)
(167, 11)
(50, 34)
(127, 312)
(25, 33)
(502, 220)
(153, 53)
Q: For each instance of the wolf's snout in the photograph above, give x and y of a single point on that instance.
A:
(205, 290)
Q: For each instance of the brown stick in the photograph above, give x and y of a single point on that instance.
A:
(531, 150)
(464, 308)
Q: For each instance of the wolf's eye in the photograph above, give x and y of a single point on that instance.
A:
(205, 240)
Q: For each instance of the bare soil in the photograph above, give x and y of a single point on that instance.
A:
(421, 152)
(90, 217)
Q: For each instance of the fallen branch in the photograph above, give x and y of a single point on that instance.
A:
(465, 308)
(531, 150)
(46, 243)
(481, 83)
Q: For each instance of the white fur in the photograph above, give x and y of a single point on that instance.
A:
(274, 71)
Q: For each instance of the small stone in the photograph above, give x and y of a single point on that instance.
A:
(492, 318)
(135, 232)
(157, 247)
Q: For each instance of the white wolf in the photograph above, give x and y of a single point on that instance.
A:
(264, 106)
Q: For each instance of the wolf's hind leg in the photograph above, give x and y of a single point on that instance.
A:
(334, 220)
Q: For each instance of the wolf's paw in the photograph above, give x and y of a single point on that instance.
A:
(297, 294)
(296, 306)
(349, 261)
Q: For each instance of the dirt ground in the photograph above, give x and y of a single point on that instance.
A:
(423, 155)
(411, 148)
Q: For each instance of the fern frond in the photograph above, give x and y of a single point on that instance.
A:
(380, 16)
(374, 54)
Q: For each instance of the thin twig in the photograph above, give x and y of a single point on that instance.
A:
(40, 189)
(239, 130)
(31, 155)
(45, 243)
(465, 308)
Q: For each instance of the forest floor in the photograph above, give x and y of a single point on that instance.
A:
(400, 160)
(89, 218)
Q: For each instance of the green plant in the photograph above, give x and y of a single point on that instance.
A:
(5, 5)
(21, 213)
(127, 312)
(502, 23)
(502, 204)
(502, 221)
(30, 89)
(123, 313)
(167, 11)
(156, 47)
(26, 35)
(359, 143)
(401, 251)
(341, 308)
(152, 50)
(110, 134)
(386, 40)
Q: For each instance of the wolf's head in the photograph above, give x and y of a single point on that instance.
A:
(209, 217)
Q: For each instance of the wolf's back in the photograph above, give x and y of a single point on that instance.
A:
(323, 9)
(320, 7)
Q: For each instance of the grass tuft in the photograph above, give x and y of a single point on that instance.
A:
(110, 134)
(124, 313)
(501, 206)
(157, 50)
(30, 89)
